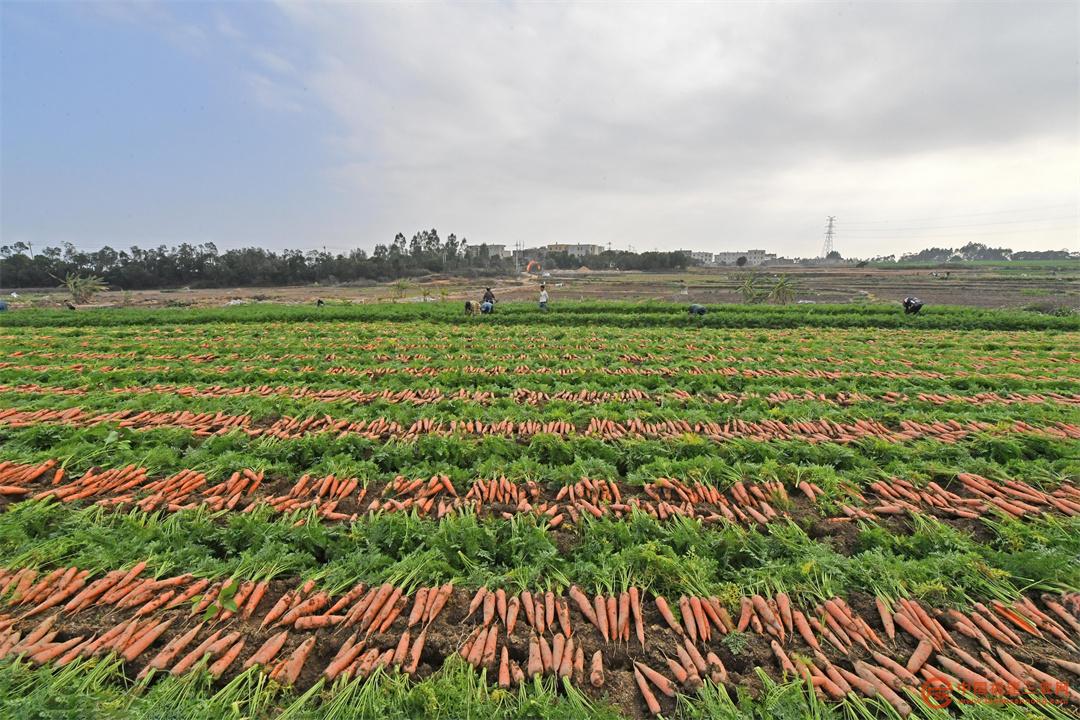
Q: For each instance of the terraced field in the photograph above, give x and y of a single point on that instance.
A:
(611, 510)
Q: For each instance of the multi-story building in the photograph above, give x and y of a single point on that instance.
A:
(494, 251)
(705, 258)
(575, 249)
(753, 257)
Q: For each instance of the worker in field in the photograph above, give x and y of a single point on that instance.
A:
(912, 305)
(697, 310)
(489, 297)
(543, 297)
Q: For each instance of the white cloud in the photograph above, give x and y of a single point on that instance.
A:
(695, 125)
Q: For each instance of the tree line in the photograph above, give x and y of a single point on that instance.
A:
(205, 266)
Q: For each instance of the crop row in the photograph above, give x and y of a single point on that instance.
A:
(822, 430)
(873, 646)
(335, 499)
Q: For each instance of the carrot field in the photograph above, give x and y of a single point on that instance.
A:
(610, 510)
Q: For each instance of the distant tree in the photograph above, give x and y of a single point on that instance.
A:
(834, 255)
(741, 262)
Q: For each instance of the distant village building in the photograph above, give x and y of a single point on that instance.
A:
(493, 251)
(576, 250)
(705, 258)
(753, 257)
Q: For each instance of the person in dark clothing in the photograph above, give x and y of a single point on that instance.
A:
(912, 305)
(489, 297)
(696, 309)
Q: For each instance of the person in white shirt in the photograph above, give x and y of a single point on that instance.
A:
(543, 297)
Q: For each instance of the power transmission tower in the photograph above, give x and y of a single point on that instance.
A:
(828, 248)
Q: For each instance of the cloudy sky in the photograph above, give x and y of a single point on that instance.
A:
(706, 126)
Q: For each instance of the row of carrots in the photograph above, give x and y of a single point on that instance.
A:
(1014, 498)
(746, 503)
(431, 396)
(999, 629)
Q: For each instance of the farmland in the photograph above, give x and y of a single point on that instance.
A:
(610, 510)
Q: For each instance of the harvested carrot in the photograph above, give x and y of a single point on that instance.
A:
(312, 622)
(919, 656)
(278, 609)
(290, 671)
(688, 618)
(536, 664)
(54, 651)
(646, 693)
(635, 610)
(504, 670)
(313, 604)
(662, 683)
(665, 612)
(268, 651)
(402, 649)
(228, 657)
(886, 618)
(489, 608)
(747, 610)
(601, 617)
(415, 652)
(581, 600)
(419, 605)
(784, 604)
(254, 599)
(477, 601)
(137, 648)
(185, 663)
(596, 670)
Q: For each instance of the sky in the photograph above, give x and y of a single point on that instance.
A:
(648, 126)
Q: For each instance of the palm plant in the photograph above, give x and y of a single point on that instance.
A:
(751, 290)
(783, 291)
(83, 287)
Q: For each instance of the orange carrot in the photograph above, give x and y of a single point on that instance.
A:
(689, 621)
(228, 657)
(646, 693)
(415, 653)
(312, 622)
(185, 663)
(920, 656)
(504, 669)
(290, 671)
(440, 601)
(402, 649)
(635, 610)
(536, 664)
(747, 610)
(581, 601)
(194, 589)
(513, 606)
(662, 683)
(596, 672)
(665, 612)
(254, 599)
(601, 617)
(477, 601)
(784, 604)
(313, 604)
(170, 651)
(385, 620)
(886, 618)
(147, 639)
(53, 651)
(419, 605)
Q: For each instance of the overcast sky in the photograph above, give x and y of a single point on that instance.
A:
(708, 126)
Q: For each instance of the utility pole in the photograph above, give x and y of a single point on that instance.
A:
(828, 247)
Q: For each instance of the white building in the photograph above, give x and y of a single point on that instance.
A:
(753, 257)
(575, 249)
(705, 258)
